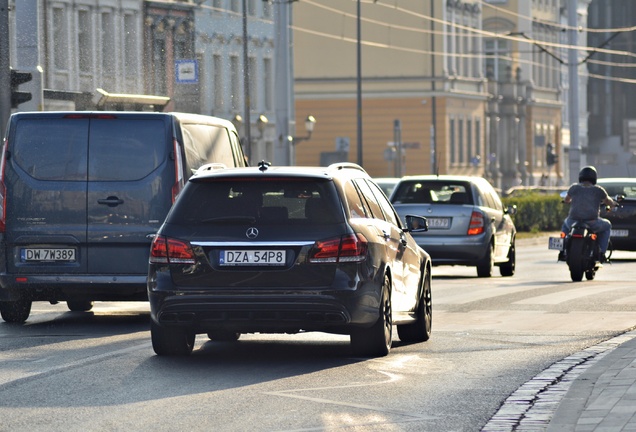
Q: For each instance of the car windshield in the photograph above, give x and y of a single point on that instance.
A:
(276, 201)
(432, 192)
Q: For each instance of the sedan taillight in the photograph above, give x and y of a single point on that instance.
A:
(477, 223)
(166, 250)
(348, 248)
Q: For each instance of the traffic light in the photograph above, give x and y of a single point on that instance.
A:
(551, 157)
(17, 78)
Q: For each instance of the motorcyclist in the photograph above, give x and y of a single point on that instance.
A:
(585, 198)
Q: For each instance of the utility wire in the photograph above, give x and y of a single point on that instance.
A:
(563, 27)
(479, 31)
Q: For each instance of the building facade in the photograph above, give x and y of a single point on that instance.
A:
(188, 50)
(490, 73)
(220, 46)
(445, 86)
(423, 87)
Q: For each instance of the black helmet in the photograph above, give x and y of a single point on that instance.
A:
(588, 173)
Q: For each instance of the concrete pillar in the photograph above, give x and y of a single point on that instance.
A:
(492, 160)
(508, 144)
(522, 143)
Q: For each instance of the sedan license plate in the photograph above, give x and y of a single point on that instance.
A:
(619, 233)
(252, 257)
(438, 223)
(556, 243)
(47, 255)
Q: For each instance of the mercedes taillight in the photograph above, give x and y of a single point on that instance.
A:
(3, 189)
(348, 248)
(166, 250)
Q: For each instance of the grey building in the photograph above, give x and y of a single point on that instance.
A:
(611, 89)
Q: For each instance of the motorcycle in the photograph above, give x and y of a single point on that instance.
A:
(579, 248)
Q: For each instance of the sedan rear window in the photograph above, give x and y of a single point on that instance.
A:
(620, 189)
(284, 201)
(432, 192)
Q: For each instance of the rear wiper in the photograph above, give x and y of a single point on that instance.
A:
(229, 219)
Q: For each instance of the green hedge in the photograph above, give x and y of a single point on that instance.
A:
(537, 212)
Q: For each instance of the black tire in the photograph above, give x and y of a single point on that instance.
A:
(79, 305)
(376, 340)
(508, 268)
(485, 265)
(576, 259)
(16, 311)
(420, 330)
(223, 336)
(171, 341)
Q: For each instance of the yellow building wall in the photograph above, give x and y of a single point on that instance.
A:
(338, 118)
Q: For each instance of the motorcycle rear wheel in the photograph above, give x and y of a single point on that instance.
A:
(576, 259)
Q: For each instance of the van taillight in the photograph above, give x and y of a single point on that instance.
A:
(178, 171)
(3, 190)
(348, 248)
(166, 250)
(477, 223)
(3, 210)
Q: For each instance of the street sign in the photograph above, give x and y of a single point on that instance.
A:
(342, 144)
(187, 71)
(389, 154)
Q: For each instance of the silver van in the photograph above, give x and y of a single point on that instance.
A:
(82, 194)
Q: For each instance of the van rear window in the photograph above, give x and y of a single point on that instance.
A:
(52, 149)
(125, 150)
(77, 149)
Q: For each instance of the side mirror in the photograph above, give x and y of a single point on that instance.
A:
(511, 210)
(416, 223)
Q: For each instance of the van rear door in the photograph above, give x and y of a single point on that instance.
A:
(45, 177)
(131, 171)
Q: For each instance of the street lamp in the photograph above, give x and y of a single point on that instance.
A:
(237, 121)
(310, 123)
(261, 124)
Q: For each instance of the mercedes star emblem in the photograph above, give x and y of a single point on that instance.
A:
(251, 233)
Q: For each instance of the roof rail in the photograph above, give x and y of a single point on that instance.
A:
(209, 167)
(347, 165)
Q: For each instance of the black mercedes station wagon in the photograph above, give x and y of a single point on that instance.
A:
(287, 250)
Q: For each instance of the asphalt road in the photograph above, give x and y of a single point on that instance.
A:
(97, 372)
